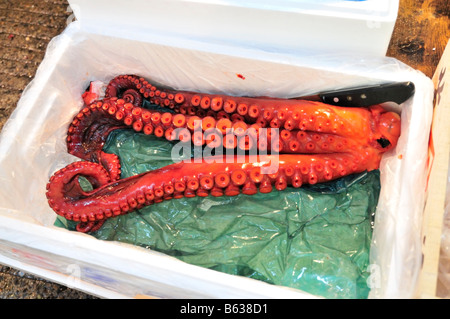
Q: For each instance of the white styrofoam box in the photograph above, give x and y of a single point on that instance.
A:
(32, 147)
(324, 26)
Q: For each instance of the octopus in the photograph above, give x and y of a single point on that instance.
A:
(275, 143)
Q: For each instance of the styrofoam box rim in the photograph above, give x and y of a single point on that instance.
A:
(75, 247)
(320, 26)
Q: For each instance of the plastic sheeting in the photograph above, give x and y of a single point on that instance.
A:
(316, 238)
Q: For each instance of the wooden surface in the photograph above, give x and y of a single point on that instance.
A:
(421, 33)
(26, 27)
(433, 283)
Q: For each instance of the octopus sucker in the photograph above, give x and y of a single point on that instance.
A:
(299, 142)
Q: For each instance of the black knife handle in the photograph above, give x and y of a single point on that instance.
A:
(397, 92)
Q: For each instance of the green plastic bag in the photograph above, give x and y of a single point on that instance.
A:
(315, 238)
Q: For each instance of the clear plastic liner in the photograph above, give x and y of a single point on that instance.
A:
(32, 143)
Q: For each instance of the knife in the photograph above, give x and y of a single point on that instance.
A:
(365, 96)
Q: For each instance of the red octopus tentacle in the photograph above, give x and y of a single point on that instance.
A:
(127, 87)
(64, 187)
(324, 142)
(87, 135)
(90, 128)
(289, 114)
(217, 178)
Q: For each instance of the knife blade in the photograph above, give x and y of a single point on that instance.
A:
(365, 96)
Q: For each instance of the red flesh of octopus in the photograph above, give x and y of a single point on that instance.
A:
(315, 143)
